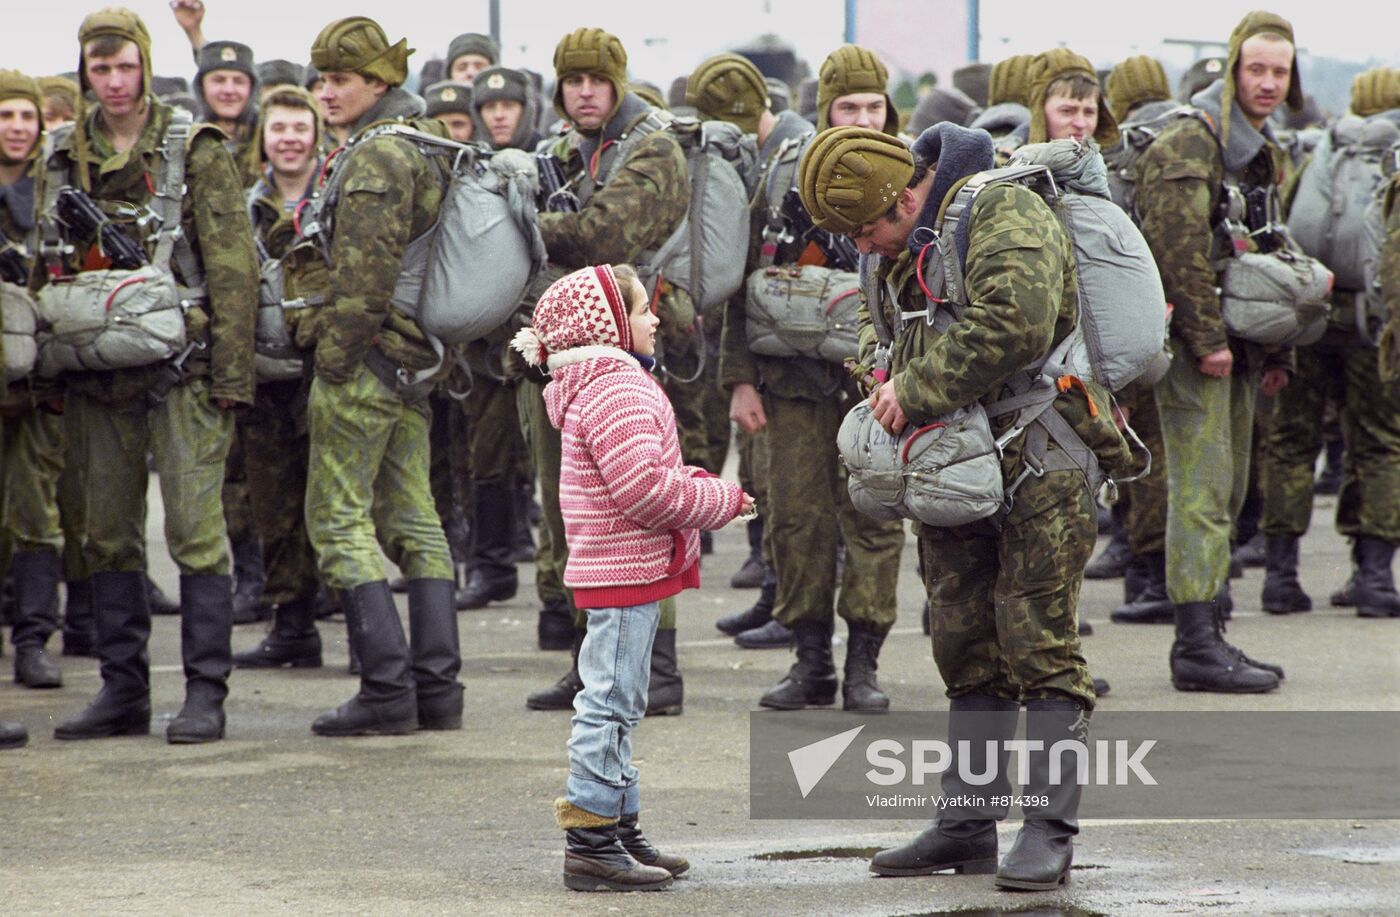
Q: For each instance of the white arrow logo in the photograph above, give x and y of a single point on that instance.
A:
(811, 762)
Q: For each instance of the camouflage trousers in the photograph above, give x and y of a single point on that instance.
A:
(544, 443)
(753, 477)
(278, 446)
(495, 440)
(1004, 603)
(238, 507)
(72, 502)
(33, 452)
(368, 476)
(1147, 496)
(1207, 428)
(189, 437)
(1369, 502)
(808, 505)
(449, 464)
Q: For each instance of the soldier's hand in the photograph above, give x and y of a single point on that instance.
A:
(226, 404)
(189, 14)
(1219, 364)
(746, 408)
(885, 406)
(1273, 381)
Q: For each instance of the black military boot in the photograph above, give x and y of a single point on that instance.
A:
(963, 839)
(1152, 605)
(860, 692)
(1374, 593)
(756, 615)
(249, 579)
(13, 735)
(493, 577)
(1282, 592)
(293, 640)
(524, 544)
(751, 574)
(79, 620)
(1041, 856)
(206, 635)
(811, 682)
(641, 850)
(1345, 597)
(596, 861)
(1201, 660)
(157, 601)
(1136, 577)
(437, 653)
(555, 630)
(123, 706)
(386, 703)
(665, 688)
(36, 575)
(1252, 553)
(560, 695)
(1114, 558)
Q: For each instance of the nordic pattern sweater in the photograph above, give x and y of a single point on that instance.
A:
(632, 511)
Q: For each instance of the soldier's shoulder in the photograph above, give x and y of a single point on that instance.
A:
(1007, 204)
(1185, 138)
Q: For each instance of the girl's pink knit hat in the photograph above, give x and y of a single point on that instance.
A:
(584, 309)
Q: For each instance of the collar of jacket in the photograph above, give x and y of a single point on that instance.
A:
(1243, 141)
(632, 109)
(592, 352)
(790, 124)
(397, 104)
(960, 153)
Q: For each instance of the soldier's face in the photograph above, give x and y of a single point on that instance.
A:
(1263, 76)
(859, 109)
(1068, 118)
(289, 139)
(19, 129)
(642, 320)
(227, 93)
(115, 79)
(56, 112)
(345, 96)
(502, 117)
(588, 100)
(888, 235)
(459, 126)
(465, 67)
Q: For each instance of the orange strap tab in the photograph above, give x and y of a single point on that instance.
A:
(1065, 383)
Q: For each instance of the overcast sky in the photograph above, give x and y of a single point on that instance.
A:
(666, 38)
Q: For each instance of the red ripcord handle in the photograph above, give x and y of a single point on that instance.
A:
(904, 453)
(919, 274)
(107, 307)
(846, 295)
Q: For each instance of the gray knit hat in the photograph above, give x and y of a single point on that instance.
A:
(473, 43)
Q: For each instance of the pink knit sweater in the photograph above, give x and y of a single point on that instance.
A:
(632, 510)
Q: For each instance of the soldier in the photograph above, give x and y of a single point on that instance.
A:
(368, 471)
(1007, 117)
(275, 429)
(504, 105)
(226, 87)
(628, 207)
(33, 428)
(1003, 595)
(1368, 509)
(451, 103)
(273, 74)
(1138, 92)
(1206, 399)
(470, 53)
(179, 410)
(60, 100)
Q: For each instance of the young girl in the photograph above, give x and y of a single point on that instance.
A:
(632, 515)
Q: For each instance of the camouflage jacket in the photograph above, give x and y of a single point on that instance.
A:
(1022, 301)
(214, 221)
(389, 196)
(24, 395)
(786, 377)
(304, 270)
(1179, 186)
(1390, 280)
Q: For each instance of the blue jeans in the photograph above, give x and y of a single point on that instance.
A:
(614, 664)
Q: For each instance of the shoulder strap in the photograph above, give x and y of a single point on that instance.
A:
(655, 120)
(169, 192)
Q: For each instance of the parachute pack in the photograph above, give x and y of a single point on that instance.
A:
(463, 277)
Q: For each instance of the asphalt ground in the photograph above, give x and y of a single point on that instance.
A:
(275, 820)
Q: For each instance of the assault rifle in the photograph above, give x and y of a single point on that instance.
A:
(841, 253)
(555, 194)
(78, 212)
(14, 264)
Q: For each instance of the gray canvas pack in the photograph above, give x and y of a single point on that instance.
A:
(805, 311)
(119, 319)
(462, 278)
(1278, 299)
(705, 255)
(20, 320)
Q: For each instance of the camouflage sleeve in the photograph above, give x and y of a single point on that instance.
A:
(1015, 281)
(634, 213)
(374, 222)
(1177, 181)
(1390, 283)
(217, 223)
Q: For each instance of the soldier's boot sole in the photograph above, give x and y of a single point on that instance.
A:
(790, 694)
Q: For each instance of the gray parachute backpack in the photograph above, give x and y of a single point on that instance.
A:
(1333, 210)
(463, 277)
